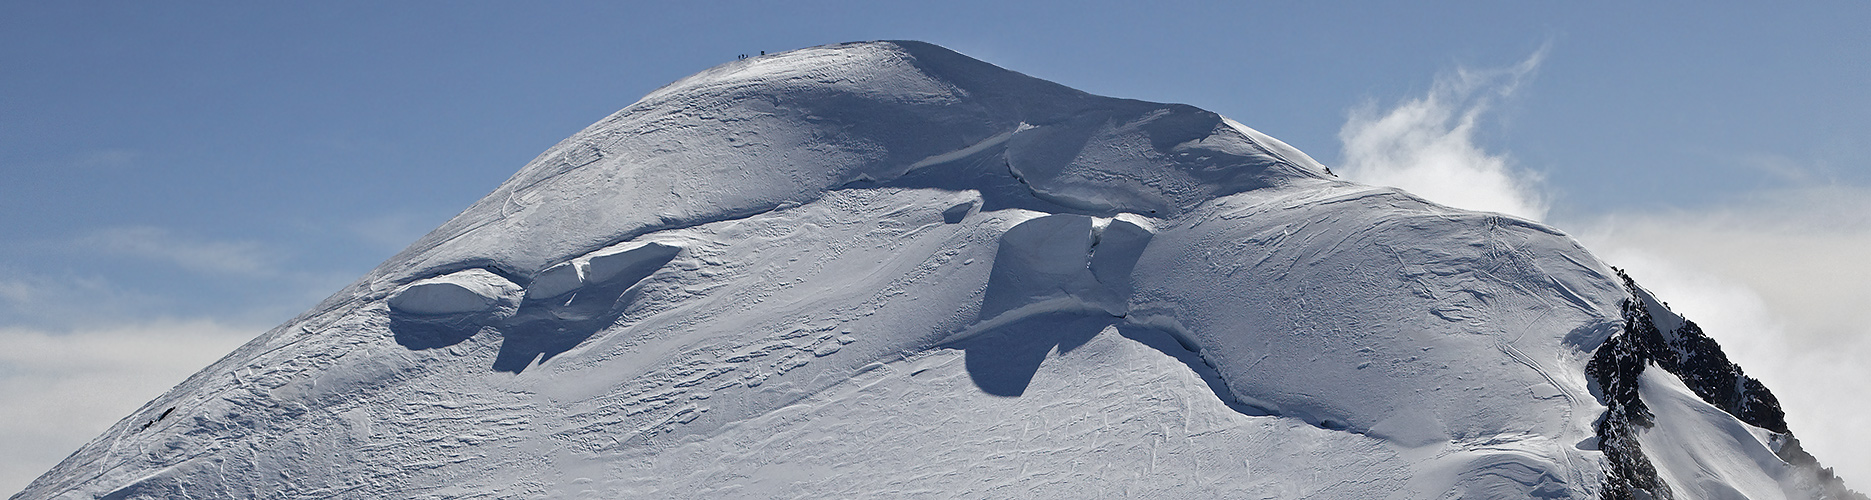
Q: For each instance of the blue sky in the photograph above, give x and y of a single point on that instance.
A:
(180, 177)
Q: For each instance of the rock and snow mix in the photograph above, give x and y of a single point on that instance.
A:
(886, 269)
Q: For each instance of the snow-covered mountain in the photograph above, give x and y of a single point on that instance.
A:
(887, 269)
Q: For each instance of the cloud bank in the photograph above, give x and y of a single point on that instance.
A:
(62, 388)
(1777, 277)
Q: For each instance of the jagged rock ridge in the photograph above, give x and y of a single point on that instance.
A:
(1700, 364)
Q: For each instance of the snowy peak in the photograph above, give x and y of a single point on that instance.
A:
(757, 134)
(875, 268)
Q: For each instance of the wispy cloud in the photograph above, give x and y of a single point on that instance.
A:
(63, 388)
(16, 291)
(1777, 277)
(119, 274)
(155, 243)
(105, 159)
(393, 232)
(1427, 145)
(66, 300)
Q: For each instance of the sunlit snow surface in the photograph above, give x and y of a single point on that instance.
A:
(886, 269)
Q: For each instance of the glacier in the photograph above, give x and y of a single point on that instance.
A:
(889, 269)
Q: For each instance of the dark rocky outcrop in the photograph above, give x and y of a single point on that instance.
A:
(1699, 361)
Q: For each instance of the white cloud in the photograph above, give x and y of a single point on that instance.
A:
(27, 297)
(231, 257)
(105, 159)
(1780, 280)
(64, 388)
(16, 291)
(393, 232)
(1427, 145)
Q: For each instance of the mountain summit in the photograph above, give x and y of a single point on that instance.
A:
(887, 269)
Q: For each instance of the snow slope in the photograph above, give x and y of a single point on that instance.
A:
(886, 269)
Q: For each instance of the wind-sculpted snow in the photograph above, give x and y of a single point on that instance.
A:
(1704, 452)
(886, 269)
(1348, 306)
(465, 292)
(1062, 261)
(750, 136)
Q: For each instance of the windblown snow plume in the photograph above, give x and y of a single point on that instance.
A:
(1427, 145)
